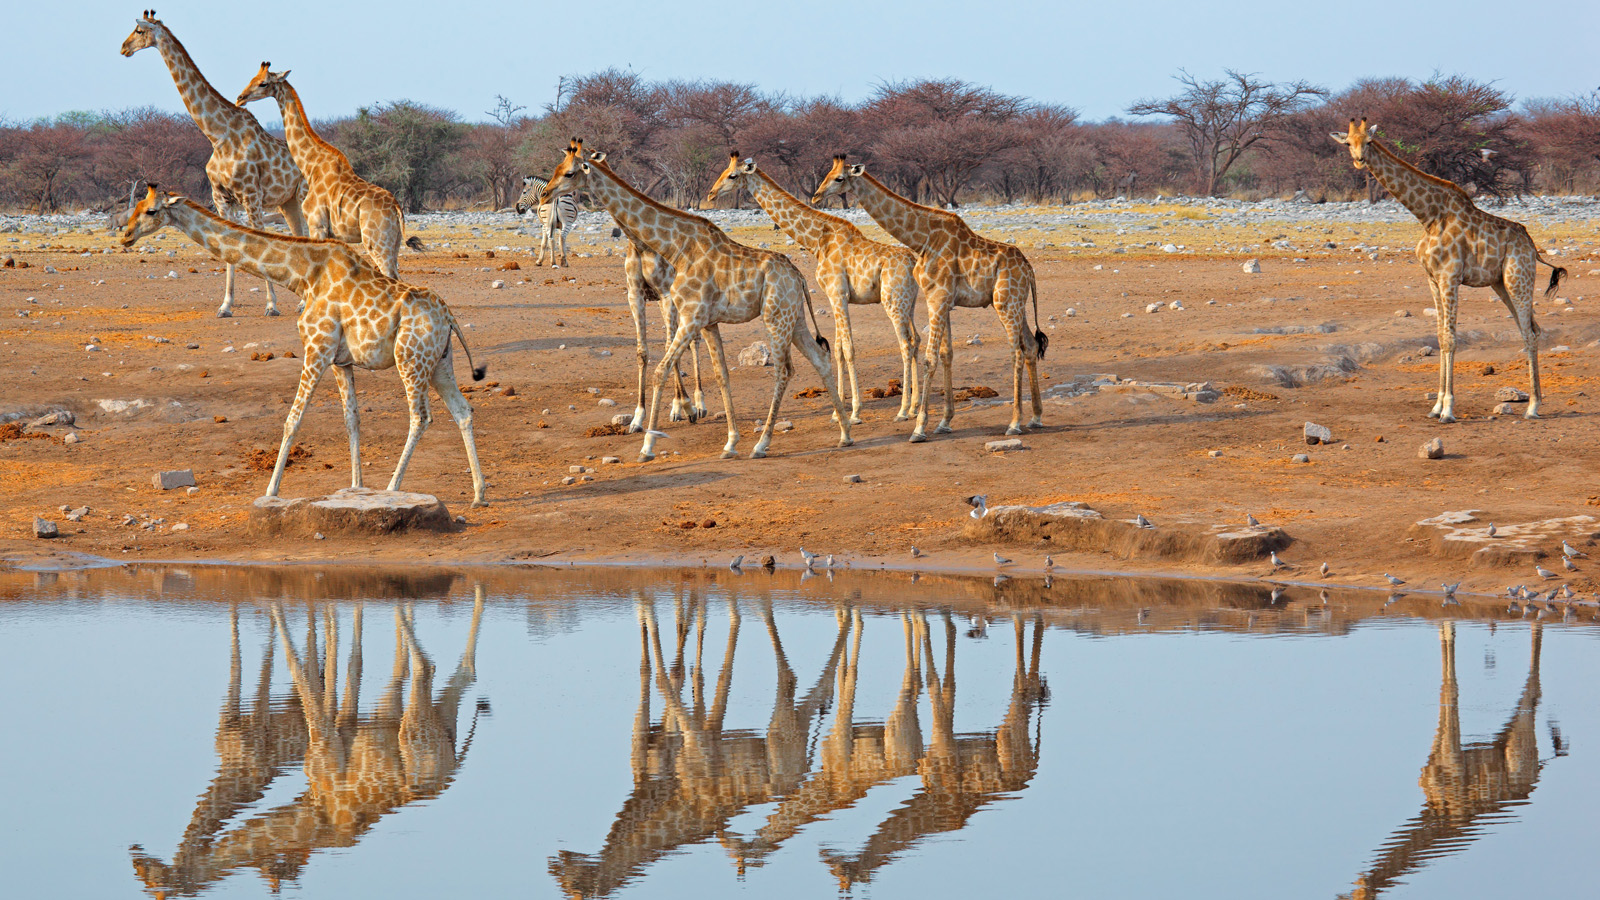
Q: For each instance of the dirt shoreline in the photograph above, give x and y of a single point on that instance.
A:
(1314, 337)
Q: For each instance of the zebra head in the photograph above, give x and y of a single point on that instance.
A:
(532, 186)
(733, 178)
(838, 179)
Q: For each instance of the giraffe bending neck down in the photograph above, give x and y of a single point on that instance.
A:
(249, 170)
(717, 281)
(1461, 245)
(851, 269)
(339, 203)
(955, 267)
(354, 316)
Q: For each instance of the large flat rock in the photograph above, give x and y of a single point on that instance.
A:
(1462, 534)
(1074, 526)
(352, 511)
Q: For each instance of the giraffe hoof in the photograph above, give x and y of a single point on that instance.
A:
(855, 420)
(478, 504)
(646, 457)
(1036, 423)
(730, 454)
(1014, 429)
(943, 428)
(224, 313)
(1446, 419)
(901, 417)
(847, 442)
(758, 454)
(918, 437)
(1530, 414)
(1433, 414)
(270, 311)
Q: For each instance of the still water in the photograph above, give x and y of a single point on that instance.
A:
(244, 732)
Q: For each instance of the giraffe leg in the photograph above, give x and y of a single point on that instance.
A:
(444, 381)
(689, 322)
(1436, 289)
(223, 203)
(899, 302)
(253, 209)
(782, 369)
(719, 362)
(352, 422)
(818, 358)
(414, 379)
(947, 360)
(835, 284)
(318, 357)
(938, 302)
(680, 410)
(1011, 311)
(698, 411)
(1449, 295)
(636, 303)
(1517, 293)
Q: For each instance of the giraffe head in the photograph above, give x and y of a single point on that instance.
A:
(839, 179)
(1356, 139)
(151, 215)
(571, 174)
(144, 33)
(267, 83)
(732, 179)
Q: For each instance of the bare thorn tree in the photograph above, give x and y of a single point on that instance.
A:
(505, 112)
(1224, 118)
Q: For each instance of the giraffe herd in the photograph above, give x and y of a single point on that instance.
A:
(356, 311)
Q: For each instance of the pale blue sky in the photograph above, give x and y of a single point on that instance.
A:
(1096, 57)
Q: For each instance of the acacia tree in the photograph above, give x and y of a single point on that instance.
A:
(1225, 118)
(933, 136)
(1564, 136)
(404, 146)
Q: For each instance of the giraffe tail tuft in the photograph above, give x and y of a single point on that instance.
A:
(478, 372)
(821, 341)
(1557, 273)
(1041, 339)
(416, 244)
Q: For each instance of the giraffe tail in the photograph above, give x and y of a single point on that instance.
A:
(1039, 337)
(1556, 274)
(821, 341)
(416, 244)
(477, 371)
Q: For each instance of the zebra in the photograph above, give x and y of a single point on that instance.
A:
(555, 218)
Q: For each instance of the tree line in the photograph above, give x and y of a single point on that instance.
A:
(939, 141)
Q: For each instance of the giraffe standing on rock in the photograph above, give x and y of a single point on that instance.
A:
(338, 204)
(955, 267)
(851, 269)
(717, 281)
(249, 170)
(1462, 245)
(354, 316)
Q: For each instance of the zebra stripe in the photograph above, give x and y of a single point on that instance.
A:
(565, 207)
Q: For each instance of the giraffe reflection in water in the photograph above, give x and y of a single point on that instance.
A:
(1467, 787)
(692, 776)
(359, 766)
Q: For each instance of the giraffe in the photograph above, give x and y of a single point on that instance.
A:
(354, 316)
(338, 203)
(359, 768)
(1461, 245)
(960, 774)
(249, 170)
(955, 267)
(717, 281)
(851, 269)
(1465, 786)
(691, 774)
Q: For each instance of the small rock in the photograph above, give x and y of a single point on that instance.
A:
(1300, 458)
(497, 284)
(319, 536)
(607, 401)
(570, 479)
(611, 460)
(1505, 409)
(192, 491)
(1402, 313)
(1318, 434)
(757, 354)
(783, 426)
(1511, 395)
(1433, 449)
(1176, 304)
(578, 470)
(1005, 446)
(44, 528)
(71, 438)
(1071, 312)
(620, 418)
(585, 477)
(1214, 454)
(1252, 266)
(1152, 308)
(59, 417)
(181, 526)
(852, 479)
(1426, 351)
(176, 478)
(1169, 248)
(191, 346)
(768, 563)
(975, 341)
(1431, 313)
(1486, 370)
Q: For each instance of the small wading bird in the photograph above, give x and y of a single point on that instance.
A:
(915, 553)
(1250, 520)
(1569, 550)
(1566, 563)
(1542, 571)
(1276, 562)
(1393, 580)
(1491, 529)
(1049, 563)
(1142, 522)
(1001, 560)
(810, 558)
(1324, 569)
(737, 562)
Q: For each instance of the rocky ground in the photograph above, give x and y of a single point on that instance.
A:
(1178, 388)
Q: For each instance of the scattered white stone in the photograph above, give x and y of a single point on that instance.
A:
(71, 438)
(1252, 266)
(1153, 308)
(606, 401)
(1402, 313)
(1176, 304)
(1071, 312)
(757, 354)
(1214, 453)
(1169, 248)
(578, 470)
(319, 536)
(1431, 313)
(1318, 434)
(44, 528)
(570, 479)
(181, 526)
(1433, 449)
(975, 341)
(1006, 446)
(852, 479)
(176, 478)
(1511, 395)
(611, 460)
(192, 491)
(618, 419)
(497, 284)
(1300, 458)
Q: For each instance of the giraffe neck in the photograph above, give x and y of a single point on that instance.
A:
(304, 142)
(217, 118)
(907, 222)
(1424, 195)
(244, 247)
(806, 225)
(667, 231)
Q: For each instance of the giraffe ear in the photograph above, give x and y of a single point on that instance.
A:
(174, 200)
(749, 166)
(1339, 136)
(597, 156)
(857, 169)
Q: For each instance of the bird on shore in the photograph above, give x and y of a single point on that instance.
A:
(1543, 572)
(1049, 563)
(810, 558)
(1569, 550)
(737, 562)
(1566, 563)
(1141, 521)
(980, 505)
(1450, 589)
(1491, 529)
(1566, 592)
(1324, 570)
(915, 553)
(1276, 562)
(830, 561)
(1513, 591)
(1250, 520)
(1001, 560)
(1393, 580)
